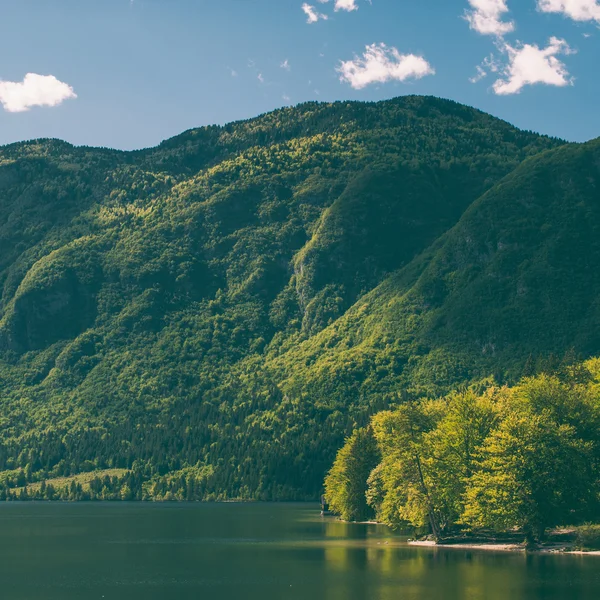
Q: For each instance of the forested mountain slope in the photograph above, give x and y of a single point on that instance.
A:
(516, 277)
(214, 314)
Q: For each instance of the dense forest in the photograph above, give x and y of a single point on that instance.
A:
(525, 457)
(211, 318)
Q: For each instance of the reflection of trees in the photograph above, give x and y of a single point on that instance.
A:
(365, 562)
(350, 567)
(341, 529)
(379, 571)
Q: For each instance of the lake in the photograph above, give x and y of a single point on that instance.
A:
(254, 551)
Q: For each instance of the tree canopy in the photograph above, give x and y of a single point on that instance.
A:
(523, 457)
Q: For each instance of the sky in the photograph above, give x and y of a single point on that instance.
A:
(130, 73)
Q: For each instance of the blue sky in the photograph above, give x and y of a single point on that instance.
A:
(146, 70)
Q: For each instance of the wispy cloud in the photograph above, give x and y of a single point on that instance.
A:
(285, 65)
(312, 15)
(380, 64)
(34, 90)
(486, 17)
(528, 64)
(490, 65)
(578, 10)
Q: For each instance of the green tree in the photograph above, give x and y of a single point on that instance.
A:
(451, 449)
(346, 483)
(532, 473)
(401, 488)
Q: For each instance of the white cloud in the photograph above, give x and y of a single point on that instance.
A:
(312, 16)
(285, 65)
(380, 64)
(486, 17)
(348, 5)
(34, 90)
(578, 10)
(260, 78)
(529, 64)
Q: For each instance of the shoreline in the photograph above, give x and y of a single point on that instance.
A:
(491, 547)
(556, 546)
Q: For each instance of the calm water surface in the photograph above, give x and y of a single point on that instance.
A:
(266, 552)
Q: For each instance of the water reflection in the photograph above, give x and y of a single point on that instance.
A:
(278, 552)
(380, 566)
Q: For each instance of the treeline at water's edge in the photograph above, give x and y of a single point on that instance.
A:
(135, 484)
(524, 458)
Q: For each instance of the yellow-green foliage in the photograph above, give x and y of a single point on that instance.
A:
(345, 485)
(525, 457)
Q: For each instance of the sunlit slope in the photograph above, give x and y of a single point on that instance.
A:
(517, 278)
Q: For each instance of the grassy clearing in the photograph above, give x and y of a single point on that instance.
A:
(81, 478)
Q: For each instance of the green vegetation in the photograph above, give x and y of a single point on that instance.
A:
(588, 537)
(110, 484)
(525, 457)
(95, 485)
(215, 315)
(346, 484)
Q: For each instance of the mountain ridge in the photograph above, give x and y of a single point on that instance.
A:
(174, 315)
(195, 131)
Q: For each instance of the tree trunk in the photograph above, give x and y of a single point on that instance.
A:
(435, 530)
(541, 533)
(529, 536)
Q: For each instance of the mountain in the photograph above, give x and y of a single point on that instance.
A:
(515, 278)
(212, 316)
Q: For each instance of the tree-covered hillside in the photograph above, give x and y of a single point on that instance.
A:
(212, 316)
(515, 279)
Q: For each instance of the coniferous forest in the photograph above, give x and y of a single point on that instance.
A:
(210, 319)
